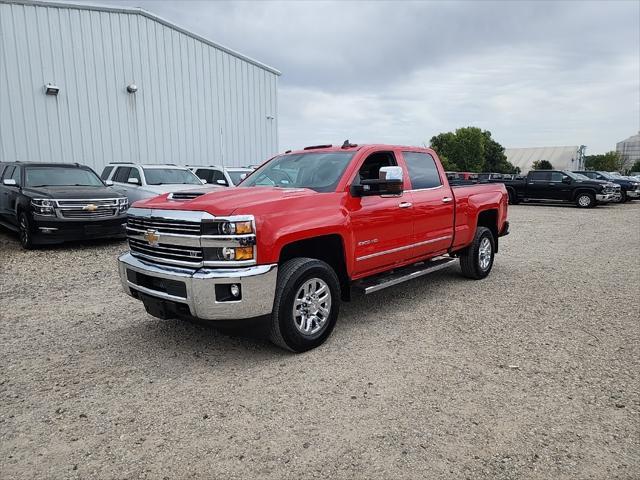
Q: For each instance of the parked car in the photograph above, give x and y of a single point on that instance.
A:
(55, 202)
(306, 230)
(629, 188)
(138, 181)
(617, 192)
(224, 176)
(557, 186)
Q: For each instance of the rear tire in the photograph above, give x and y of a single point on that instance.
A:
(306, 306)
(585, 200)
(624, 198)
(513, 197)
(476, 260)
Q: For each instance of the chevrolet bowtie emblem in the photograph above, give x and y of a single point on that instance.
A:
(152, 237)
(90, 208)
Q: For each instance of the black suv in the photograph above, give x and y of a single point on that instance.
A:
(54, 202)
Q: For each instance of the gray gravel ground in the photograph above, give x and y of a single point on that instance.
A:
(531, 373)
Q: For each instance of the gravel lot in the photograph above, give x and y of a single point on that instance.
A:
(531, 373)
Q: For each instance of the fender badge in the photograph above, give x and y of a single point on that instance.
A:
(152, 237)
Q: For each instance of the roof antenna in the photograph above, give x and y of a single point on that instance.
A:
(347, 144)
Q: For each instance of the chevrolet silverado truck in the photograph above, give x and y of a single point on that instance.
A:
(558, 186)
(304, 232)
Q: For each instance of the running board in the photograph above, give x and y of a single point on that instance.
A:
(400, 275)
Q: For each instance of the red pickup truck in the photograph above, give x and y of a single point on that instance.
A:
(303, 232)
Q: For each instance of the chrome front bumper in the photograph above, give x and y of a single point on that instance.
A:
(257, 286)
(633, 193)
(607, 197)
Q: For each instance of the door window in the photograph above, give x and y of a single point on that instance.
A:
(8, 172)
(122, 174)
(370, 169)
(540, 176)
(106, 172)
(422, 170)
(217, 175)
(204, 174)
(557, 176)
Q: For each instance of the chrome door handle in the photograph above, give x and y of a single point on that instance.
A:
(447, 200)
(405, 205)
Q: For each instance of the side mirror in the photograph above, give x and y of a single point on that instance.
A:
(222, 182)
(566, 180)
(203, 181)
(10, 182)
(133, 181)
(108, 183)
(390, 182)
(243, 176)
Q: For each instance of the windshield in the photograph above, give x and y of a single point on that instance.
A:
(236, 175)
(319, 171)
(162, 176)
(60, 176)
(570, 174)
(607, 175)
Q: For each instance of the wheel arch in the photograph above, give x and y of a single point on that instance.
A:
(489, 219)
(329, 248)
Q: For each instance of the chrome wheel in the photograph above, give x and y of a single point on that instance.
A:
(312, 306)
(484, 253)
(584, 201)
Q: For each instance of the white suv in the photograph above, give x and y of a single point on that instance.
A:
(138, 181)
(224, 176)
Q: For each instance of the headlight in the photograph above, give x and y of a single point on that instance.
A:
(123, 205)
(228, 228)
(43, 206)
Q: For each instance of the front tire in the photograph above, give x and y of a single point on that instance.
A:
(476, 260)
(585, 200)
(25, 231)
(306, 306)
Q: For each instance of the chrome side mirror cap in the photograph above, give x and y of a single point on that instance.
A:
(133, 181)
(10, 182)
(108, 183)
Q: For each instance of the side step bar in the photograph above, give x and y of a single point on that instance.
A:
(400, 275)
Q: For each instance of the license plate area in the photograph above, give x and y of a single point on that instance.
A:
(175, 288)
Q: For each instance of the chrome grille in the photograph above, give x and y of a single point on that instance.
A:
(87, 208)
(163, 225)
(167, 253)
(100, 213)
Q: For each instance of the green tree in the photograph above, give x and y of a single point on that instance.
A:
(542, 165)
(635, 167)
(471, 149)
(607, 162)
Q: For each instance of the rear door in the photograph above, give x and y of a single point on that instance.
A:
(538, 184)
(432, 204)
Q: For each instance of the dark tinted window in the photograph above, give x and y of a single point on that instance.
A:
(422, 170)
(106, 172)
(557, 176)
(204, 174)
(218, 175)
(8, 172)
(539, 176)
(122, 174)
(16, 175)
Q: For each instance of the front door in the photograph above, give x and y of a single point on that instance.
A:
(382, 225)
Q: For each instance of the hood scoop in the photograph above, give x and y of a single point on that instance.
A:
(182, 196)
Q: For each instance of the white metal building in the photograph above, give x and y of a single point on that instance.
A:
(87, 84)
(630, 149)
(562, 158)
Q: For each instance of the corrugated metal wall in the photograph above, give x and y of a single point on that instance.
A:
(196, 103)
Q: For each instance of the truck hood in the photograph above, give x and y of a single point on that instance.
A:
(226, 201)
(71, 192)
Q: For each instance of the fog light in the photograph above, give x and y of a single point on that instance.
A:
(235, 290)
(228, 253)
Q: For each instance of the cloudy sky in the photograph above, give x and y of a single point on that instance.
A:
(533, 73)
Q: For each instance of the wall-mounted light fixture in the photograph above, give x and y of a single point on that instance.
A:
(270, 117)
(51, 89)
(132, 88)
